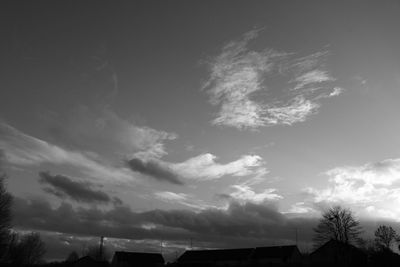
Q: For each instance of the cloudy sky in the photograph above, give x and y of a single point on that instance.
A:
(229, 123)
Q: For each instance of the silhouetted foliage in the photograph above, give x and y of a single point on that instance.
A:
(384, 258)
(368, 246)
(12, 253)
(5, 214)
(385, 236)
(25, 250)
(338, 224)
(73, 256)
(95, 253)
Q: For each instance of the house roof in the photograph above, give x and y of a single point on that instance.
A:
(281, 252)
(138, 257)
(337, 244)
(216, 255)
(89, 262)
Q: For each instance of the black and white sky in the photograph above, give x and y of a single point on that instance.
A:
(231, 123)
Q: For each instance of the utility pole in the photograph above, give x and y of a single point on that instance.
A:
(101, 247)
(296, 235)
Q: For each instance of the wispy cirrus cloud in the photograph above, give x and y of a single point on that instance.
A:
(371, 187)
(65, 187)
(25, 150)
(182, 199)
(103, 129)
(234, 76)
(202, 167)
(239, 74)
(171, 196)
(297, 110)
(312, 77)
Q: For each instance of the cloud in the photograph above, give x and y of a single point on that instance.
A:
(249, 190)
(156, 169)
(201, 167)
(336, 91)
(300, 208)
(171, 196)
(245, 193)
(312, 77)
(2, 159)
(238, 75)
(205, 167)
(105, 131)
(297, 110)
(235, 75)
(26, 150)
(182, 199)
(369, 187)
(237, 225)
(64, 186)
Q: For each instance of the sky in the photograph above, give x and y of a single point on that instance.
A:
(160, 124)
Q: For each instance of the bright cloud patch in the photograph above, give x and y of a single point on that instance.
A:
(238, 74)
(245, 193)
(166, 195)
(336, 91)
(202, 167)
(375, 187)
(299, 208)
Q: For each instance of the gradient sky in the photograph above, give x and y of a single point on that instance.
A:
(232, 123)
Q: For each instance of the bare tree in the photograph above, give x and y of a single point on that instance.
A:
(5, 211)
(73, 256)
(33, 248)
(5, 206)
(25, 250)
(385, 236)
(98, 254)
(338, 224)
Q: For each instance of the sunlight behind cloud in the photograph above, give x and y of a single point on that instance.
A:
(370, 187)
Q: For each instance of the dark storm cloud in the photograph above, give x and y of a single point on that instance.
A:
(63, 186)
(238, 225)
(154, 169)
